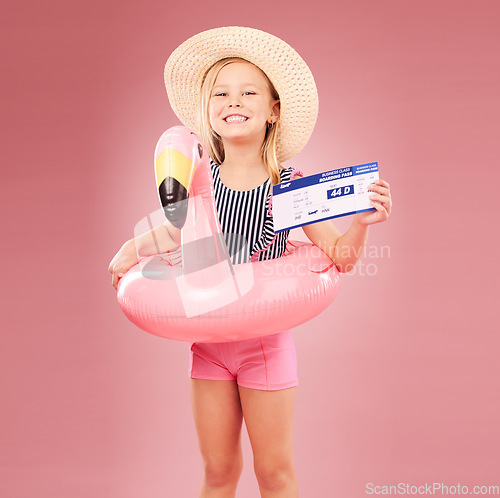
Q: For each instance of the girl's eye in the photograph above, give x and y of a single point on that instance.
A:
(223, 94)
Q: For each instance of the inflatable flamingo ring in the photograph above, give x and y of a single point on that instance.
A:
(195, 293)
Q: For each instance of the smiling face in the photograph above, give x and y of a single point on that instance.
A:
(241, 104)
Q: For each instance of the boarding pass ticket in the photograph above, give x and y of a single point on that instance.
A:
(323, 196)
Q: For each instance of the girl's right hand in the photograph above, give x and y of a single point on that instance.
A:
(124, 259)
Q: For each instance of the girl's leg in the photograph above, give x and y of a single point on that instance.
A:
(218, 417)
(268, 417)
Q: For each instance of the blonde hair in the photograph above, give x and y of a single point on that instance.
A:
(213, 141)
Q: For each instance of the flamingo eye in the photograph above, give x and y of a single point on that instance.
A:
(200, 150)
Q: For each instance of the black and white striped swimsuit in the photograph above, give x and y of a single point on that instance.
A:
(246, 219)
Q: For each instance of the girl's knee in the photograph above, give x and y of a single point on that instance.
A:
(274, 476)
(221, 472)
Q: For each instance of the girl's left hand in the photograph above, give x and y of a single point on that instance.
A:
(381, 201)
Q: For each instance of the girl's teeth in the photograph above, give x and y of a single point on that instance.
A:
(235, 118)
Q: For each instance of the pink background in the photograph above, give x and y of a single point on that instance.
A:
(399, 378)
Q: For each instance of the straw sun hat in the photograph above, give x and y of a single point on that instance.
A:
(187, 65)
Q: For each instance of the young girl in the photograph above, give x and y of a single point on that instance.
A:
(254, 102)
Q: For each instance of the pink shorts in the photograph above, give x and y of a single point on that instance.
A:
(267, 363)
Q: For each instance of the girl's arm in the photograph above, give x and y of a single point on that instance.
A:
(160, 239)
(345, 249)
